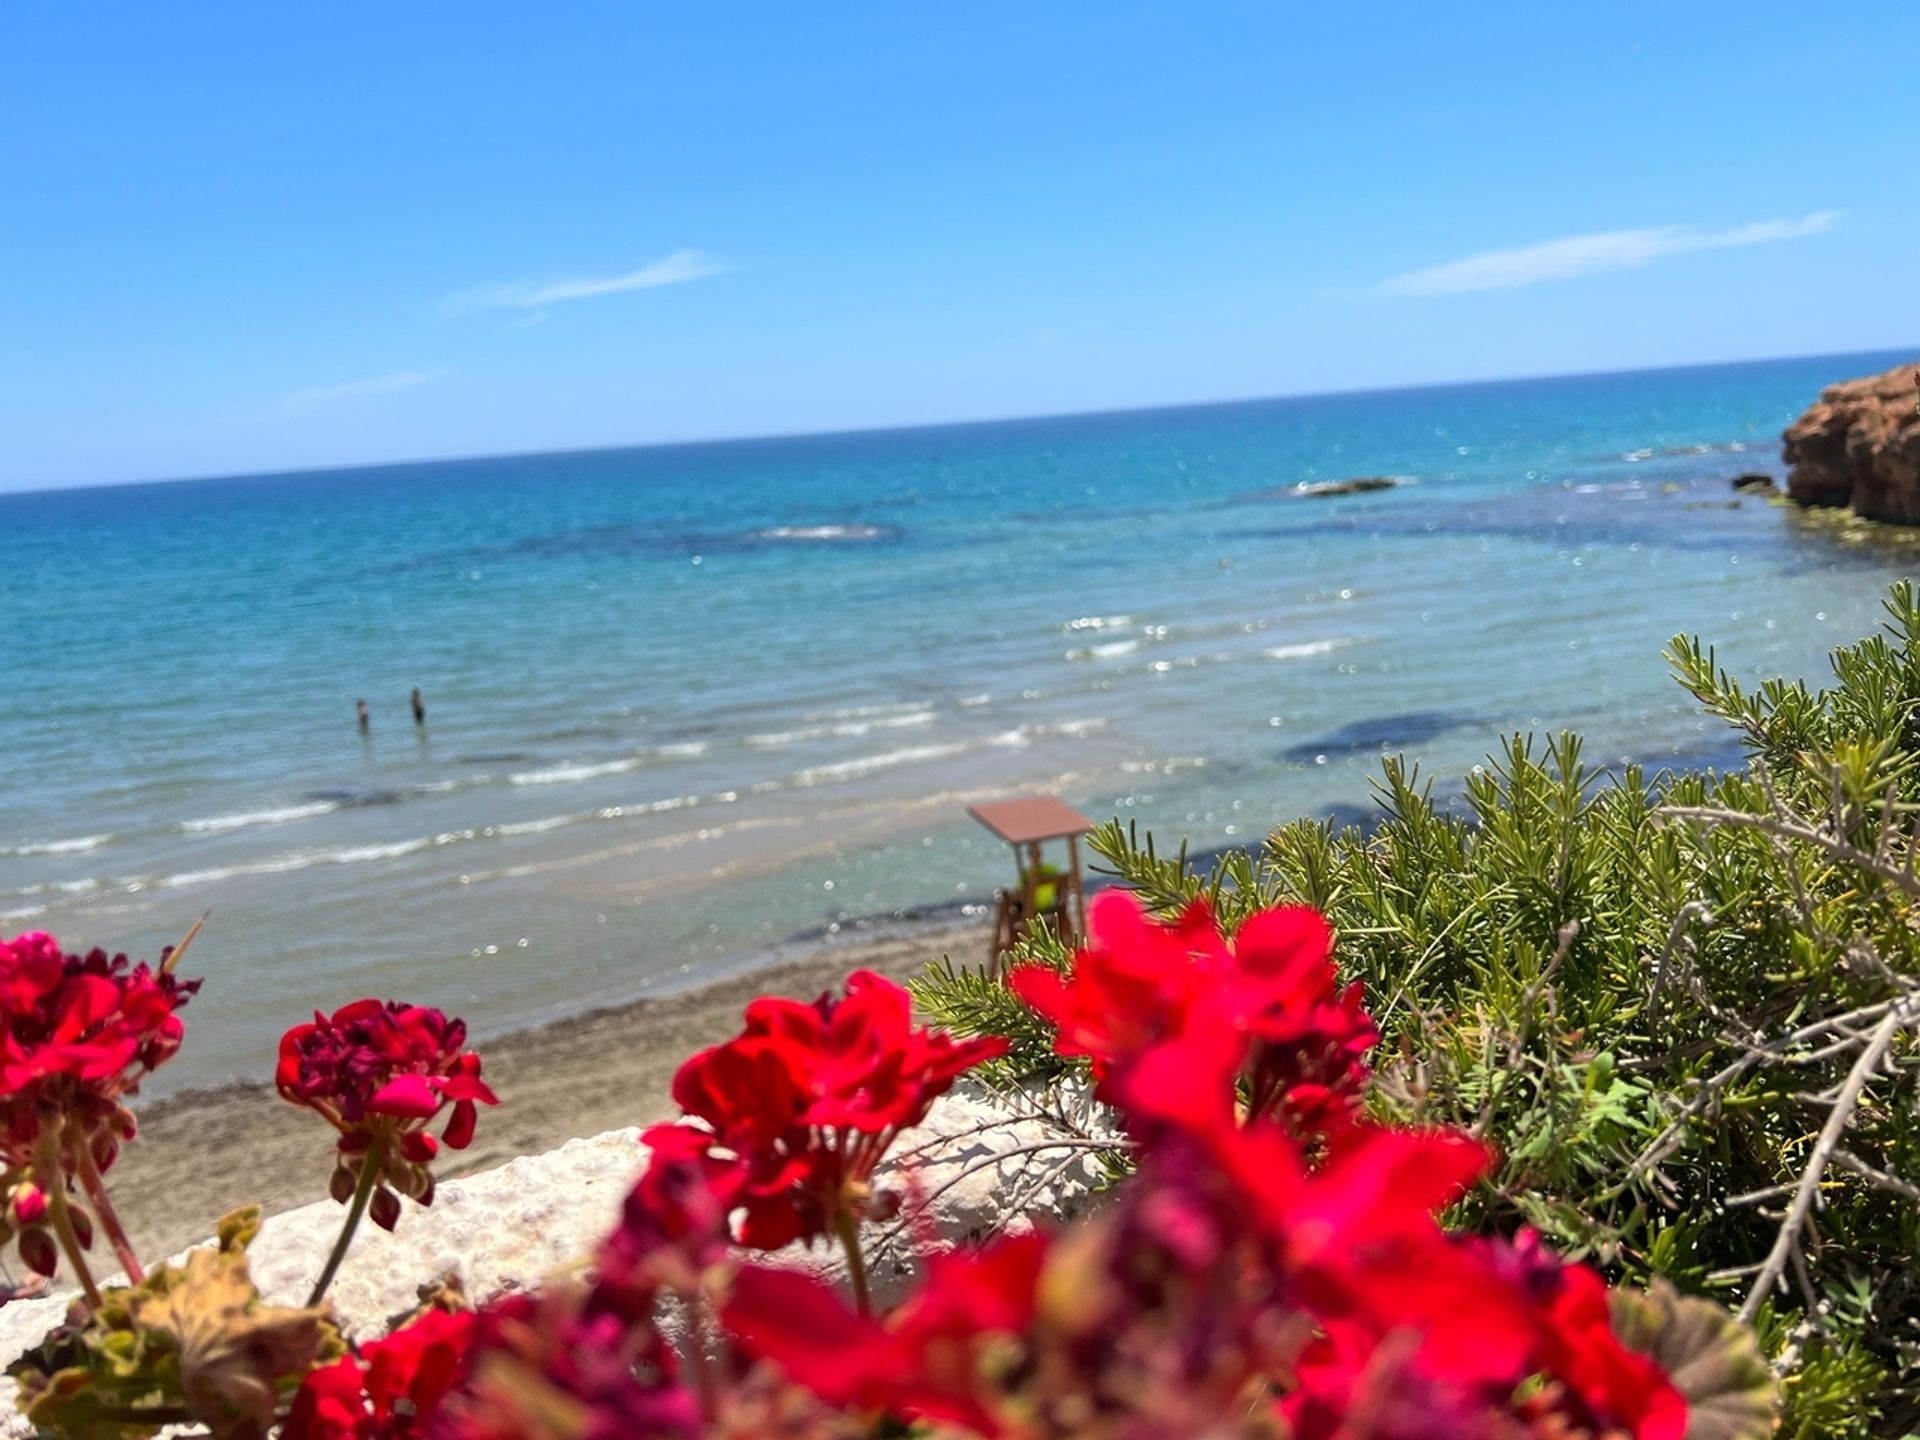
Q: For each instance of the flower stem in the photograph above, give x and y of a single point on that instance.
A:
(95, 1184)
(698, 1333)
(52, 1180)
(370, 1167)
(846, 1228)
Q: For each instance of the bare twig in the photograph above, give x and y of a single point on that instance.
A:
(1676, 937)
(1847, 1160)
(1757, 1197)
(1756, 1055)
(1838, 1119)
(1073, 1142)
(1900, 876)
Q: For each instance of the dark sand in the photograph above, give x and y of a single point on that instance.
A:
(201, 1154)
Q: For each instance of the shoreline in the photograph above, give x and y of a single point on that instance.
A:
(202, 1152)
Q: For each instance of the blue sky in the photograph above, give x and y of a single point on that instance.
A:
(240, 237)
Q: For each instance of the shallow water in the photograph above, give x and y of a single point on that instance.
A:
(685, 702)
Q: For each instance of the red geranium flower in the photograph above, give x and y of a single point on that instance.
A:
(1182, 1003)
(927, 1360)
(1227, 1274)
(391, 1390)
(380, 1072)
(1597, 1381)
(807, 1098)
(1575, 1380)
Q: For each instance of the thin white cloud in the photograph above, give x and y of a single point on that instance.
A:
(1589, 254)
(319, 397)
(675, 269)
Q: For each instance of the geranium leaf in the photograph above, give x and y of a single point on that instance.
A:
(1711, 1357)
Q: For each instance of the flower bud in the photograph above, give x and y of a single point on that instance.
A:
(385, 1209)
(340, 1184)
(82, 1226)
(38, 1251)
(28, 1204)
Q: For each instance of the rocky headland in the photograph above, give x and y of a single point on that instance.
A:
(1858, 446)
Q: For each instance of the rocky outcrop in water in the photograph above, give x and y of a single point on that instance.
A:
(1858, 445)
(1361, 485)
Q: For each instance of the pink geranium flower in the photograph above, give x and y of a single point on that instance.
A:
(78, 1033)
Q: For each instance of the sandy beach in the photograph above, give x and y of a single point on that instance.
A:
(200, 1154)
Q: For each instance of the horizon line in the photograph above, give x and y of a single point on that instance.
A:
(978, 422)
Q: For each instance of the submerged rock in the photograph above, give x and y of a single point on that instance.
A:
(1360, 485)
(1379, 735)
(1858, 445)
(1755, 483)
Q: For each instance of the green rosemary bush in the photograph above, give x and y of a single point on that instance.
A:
(1682, 1005)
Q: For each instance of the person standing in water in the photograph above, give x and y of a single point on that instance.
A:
(419, 707)
(360, 709)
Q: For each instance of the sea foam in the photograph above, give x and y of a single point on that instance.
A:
(77, 846)
(242, 819)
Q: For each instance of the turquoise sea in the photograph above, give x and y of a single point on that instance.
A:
(685, 703)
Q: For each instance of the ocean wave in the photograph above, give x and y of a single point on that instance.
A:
(294, 860)
(1097, 622)
(1172, 765)
(58, 887)
(1021, 736)
(777, 738)
(821, 532)
(886, 760)
(25, 912)
(536, 827)
(242, 819)
(1104, 652)
(857, 712)
(652, 807)
(1305, 648)
(1073, 729)
(1716, 447)
(574, 771)
(571, 773)
(77, 846)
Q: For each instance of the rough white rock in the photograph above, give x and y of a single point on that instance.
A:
(972, 1169)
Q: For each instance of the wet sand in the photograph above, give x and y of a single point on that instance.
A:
(203, 1153)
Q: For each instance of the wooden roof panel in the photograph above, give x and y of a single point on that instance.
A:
(1031, 820)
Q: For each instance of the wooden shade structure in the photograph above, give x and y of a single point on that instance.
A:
(1057, 900)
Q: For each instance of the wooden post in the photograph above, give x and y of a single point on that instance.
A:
(1079, 891)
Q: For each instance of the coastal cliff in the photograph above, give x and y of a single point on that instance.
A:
(1858, 445)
